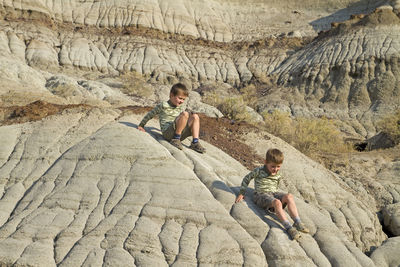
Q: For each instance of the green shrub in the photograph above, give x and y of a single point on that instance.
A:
(309, 135)
(279, 124)
(233, 107)
(317, 135)
(391, 126)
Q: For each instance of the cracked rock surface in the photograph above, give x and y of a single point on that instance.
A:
(88, 188)
(84, 187)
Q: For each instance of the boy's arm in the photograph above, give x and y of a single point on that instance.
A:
(244, 185)
(156, 110)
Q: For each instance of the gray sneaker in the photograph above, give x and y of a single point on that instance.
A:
(176, 143)
(294, 234)
(197, 147)
(301, 227)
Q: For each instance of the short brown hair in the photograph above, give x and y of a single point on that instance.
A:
(274, 156)
(179, 88)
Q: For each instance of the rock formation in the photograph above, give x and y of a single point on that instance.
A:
(101, 192)
(354, 66)
(84, 187)
(351, 70)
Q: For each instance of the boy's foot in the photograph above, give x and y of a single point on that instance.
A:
(301, 227)
(176, 143)
(294, 234)
(197, 147)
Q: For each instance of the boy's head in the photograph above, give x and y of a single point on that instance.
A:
(273, 160)
(178, 94)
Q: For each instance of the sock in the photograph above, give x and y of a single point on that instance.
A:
(297, 220)
(195, 140)
(286, 224)
(176, 136)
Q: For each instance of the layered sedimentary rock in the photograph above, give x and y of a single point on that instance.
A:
(349, 71)
(221, 21)
(86, 188)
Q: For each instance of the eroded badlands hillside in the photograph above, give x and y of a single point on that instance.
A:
(350, 72)
(81, 186)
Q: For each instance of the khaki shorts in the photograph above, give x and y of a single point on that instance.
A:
(264, 200)
(169, 133)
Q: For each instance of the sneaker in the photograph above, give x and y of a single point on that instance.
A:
(294, 234)
(301, 227)
(197, 147)
(176, 143)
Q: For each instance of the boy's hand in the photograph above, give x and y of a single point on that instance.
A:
(140, 128)
(239, 198)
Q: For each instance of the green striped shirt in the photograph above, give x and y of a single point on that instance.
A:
(166, 114)
(263, 181)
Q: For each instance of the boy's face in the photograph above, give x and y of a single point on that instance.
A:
(178, 99)
(273, 168)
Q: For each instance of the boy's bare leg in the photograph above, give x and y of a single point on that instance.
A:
(292, 209)
(282, 217)
(194, 124)
(280, 213)
(181, 122)
(291, 205)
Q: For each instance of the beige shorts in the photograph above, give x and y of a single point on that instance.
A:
(169, 133)
(264, 200)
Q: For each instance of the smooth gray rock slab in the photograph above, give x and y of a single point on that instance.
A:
(388, 254)
(391, 218)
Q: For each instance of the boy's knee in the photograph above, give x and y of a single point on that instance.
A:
(288, 198)
(195, 116)
(277, 204)
(184, 114)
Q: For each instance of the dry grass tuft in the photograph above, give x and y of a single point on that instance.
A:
(391, 126)
(311, 136)
(135, 84)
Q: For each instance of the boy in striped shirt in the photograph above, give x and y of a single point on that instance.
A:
(176, 124)
(267, 196)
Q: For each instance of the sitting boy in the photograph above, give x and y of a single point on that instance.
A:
(176, 124)
(267, 196)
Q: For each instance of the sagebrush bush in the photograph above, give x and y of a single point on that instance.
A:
(233, 107)
(391, 126)
(309, 135)
(278, 123)
(317, 135)
(249, 95)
